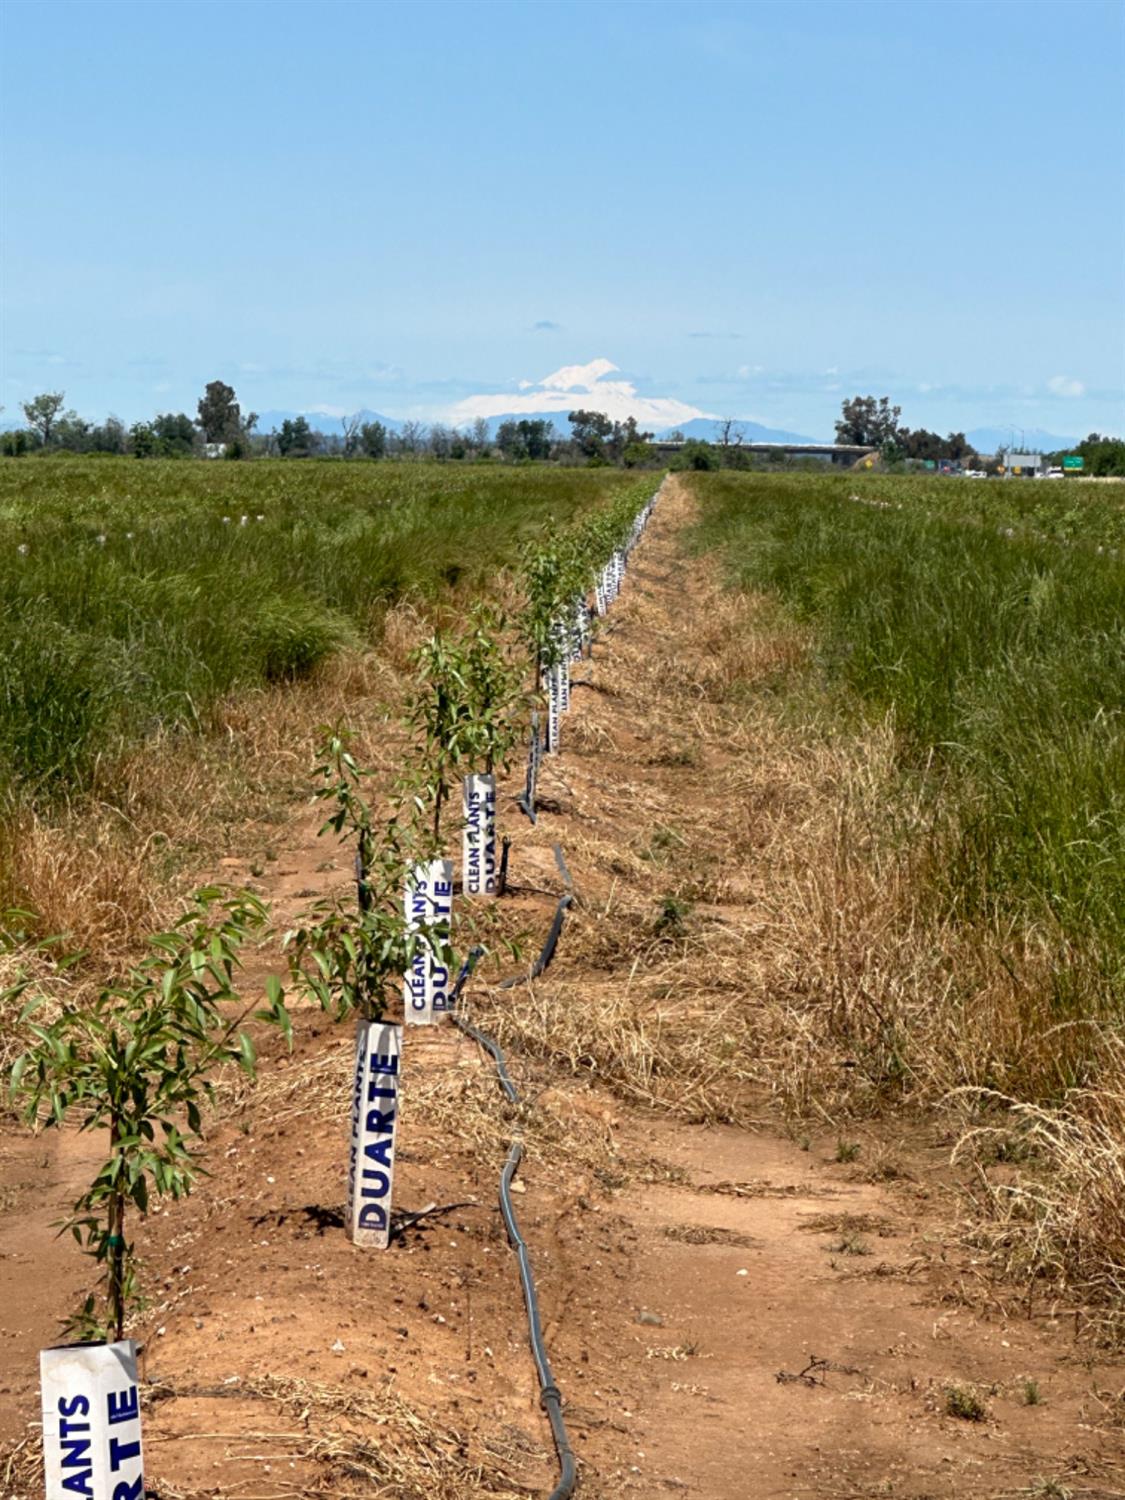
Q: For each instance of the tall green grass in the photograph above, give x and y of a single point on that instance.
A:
(1002, 659)
(133, 595)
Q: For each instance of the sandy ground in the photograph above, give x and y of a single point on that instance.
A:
(731, 1312)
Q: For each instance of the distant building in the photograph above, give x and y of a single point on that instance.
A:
(214, 450)
(1023, 465)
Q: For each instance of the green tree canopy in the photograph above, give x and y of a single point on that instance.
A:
(624, 436)
(1104, 457)
(42, 413)
(297, 439)
(866, 420)
(589, 430)
(373, 439)
(175, 434)
(529, 438)
(220, 416)
(928, 445)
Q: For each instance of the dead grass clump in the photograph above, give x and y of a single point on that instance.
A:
(708, 1234)
(21, 1467)
(1062, 1218)
(88, 874)
(849, 1224)
(585, 738)
(363, 1442)
(735, 642)
(309, 1088)
(696, 1061)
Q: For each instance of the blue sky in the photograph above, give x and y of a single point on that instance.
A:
(748, 209)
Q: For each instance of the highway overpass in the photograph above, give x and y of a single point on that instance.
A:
(836, 453)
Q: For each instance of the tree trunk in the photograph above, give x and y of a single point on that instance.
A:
(116, 1267)
(439, 797)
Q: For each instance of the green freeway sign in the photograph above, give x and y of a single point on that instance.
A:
(1073, 461)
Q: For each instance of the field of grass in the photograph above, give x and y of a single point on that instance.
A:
(1000, 660)
(133, 596)
(1070, 512)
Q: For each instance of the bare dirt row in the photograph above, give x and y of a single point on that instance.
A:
(734, 1306)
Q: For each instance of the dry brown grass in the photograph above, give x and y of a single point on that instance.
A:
(364, 1442)
(52, 987)
(107, 873)
(1051, 1193)
(322, 1439)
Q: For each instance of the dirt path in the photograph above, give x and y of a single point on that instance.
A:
(731, 1313)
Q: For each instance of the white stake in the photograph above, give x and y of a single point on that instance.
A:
(371, 1162)
(428, 900)
(554, 706)
(478, 843)
(92, 1422)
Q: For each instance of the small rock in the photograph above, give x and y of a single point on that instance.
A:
(650, 1319)
(337, 1347)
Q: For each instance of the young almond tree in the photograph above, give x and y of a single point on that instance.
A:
(546, 581)
(353, 963)
(440, 712)
(494, 691)
(137, 1061)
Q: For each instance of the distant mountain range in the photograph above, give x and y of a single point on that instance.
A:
(1026, 439)
(708, 429)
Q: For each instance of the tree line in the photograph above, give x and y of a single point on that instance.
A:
(875, 424)
(220, 428)
(1102, 457)
(219, 420)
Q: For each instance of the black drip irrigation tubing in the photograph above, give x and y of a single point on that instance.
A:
(550, 1397)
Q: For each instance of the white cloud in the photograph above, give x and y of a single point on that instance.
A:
(579, 385)
(1064, 385)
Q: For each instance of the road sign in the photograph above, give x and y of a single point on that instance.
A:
(929, 463)
(1073, 461)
